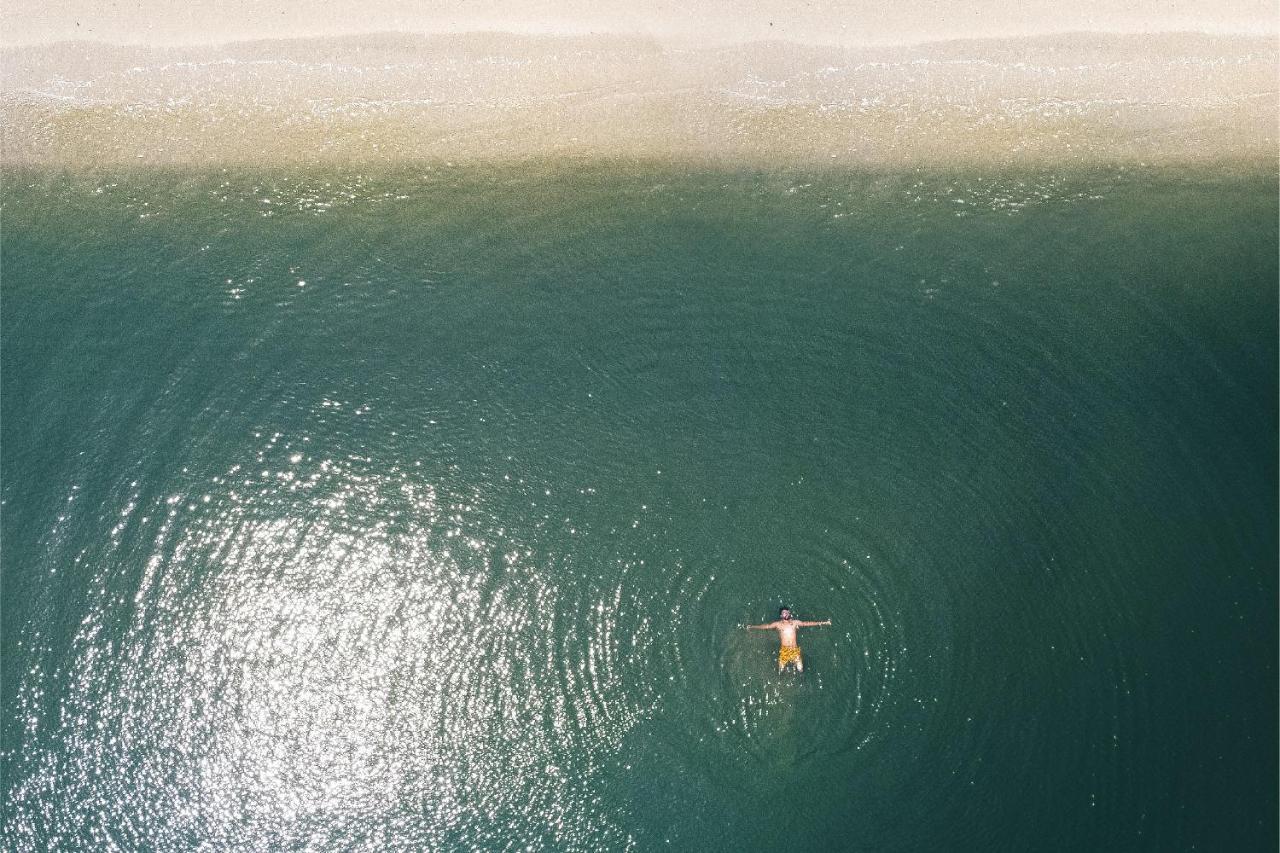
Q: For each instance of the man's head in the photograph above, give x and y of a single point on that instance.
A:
(784, 613)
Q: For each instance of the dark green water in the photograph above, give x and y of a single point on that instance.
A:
(424, 509)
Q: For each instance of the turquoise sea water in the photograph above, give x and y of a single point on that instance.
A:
(423, 509)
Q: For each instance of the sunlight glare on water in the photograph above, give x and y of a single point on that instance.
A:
(329, 640)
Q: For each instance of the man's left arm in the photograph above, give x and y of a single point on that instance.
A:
(814, 624)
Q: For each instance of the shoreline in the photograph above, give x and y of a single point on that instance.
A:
(607, 168)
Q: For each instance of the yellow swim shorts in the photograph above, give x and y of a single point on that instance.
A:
(788, 654)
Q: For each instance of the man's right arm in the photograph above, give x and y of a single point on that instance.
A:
(768, 627)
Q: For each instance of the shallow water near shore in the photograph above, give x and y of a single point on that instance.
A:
(423, 508)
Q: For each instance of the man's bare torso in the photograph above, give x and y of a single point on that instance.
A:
(786, 629)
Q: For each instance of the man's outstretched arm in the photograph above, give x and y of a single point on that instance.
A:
(768, 627)
(814, 624)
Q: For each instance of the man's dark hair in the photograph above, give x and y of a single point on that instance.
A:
(782, 609)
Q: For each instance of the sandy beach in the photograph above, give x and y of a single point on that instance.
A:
(492, 96)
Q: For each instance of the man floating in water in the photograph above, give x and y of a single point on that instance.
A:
(788, 652)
